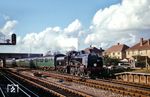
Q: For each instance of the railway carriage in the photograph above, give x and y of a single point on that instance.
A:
(39, 62)
(44, 62)
(22, 62)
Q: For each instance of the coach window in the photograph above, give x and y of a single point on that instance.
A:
(38, 60)
(41, 60)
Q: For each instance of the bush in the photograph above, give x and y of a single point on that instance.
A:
(110, 61)
(140, 64)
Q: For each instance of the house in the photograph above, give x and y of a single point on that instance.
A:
(139, 53)
(140, 49)
(116, 51)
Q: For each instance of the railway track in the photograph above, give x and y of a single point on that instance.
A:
(124, 89)
(80, 89)
(20, 89)
(54, 88)
(115, 86)
(142, 86)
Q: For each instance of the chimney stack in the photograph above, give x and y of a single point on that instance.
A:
(118, 43)
(148, 41)
(141, 41)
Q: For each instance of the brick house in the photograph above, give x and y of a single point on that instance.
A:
(139, 52)
(140, 49)
(116, 51)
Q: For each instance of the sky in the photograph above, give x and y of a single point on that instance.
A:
(62, 25)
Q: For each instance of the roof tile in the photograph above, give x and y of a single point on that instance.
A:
(137, 46)
(117, 48)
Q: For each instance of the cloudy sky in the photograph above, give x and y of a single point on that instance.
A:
(43, 25)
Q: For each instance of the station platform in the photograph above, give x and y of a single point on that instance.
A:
(133, 77)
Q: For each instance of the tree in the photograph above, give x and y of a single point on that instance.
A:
(140, 64)
(110, 61)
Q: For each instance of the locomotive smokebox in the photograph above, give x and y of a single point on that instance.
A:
(13, 39)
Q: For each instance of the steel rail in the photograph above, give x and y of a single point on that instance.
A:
(23, 87)
(102, 85)
(19, 87)
(2, 92)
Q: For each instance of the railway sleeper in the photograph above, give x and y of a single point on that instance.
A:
(140, 92)
(111, 86)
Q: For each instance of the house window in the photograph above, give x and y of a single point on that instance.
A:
(113, 53)
(138, 52)
(118, 53)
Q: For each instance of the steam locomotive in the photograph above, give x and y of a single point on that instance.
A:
(80, 64)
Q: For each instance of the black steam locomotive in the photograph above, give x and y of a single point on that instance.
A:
(79, 64)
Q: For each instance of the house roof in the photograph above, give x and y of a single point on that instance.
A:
(117, 48)
(144, 46)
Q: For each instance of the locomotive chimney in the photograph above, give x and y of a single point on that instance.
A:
(141, 42)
